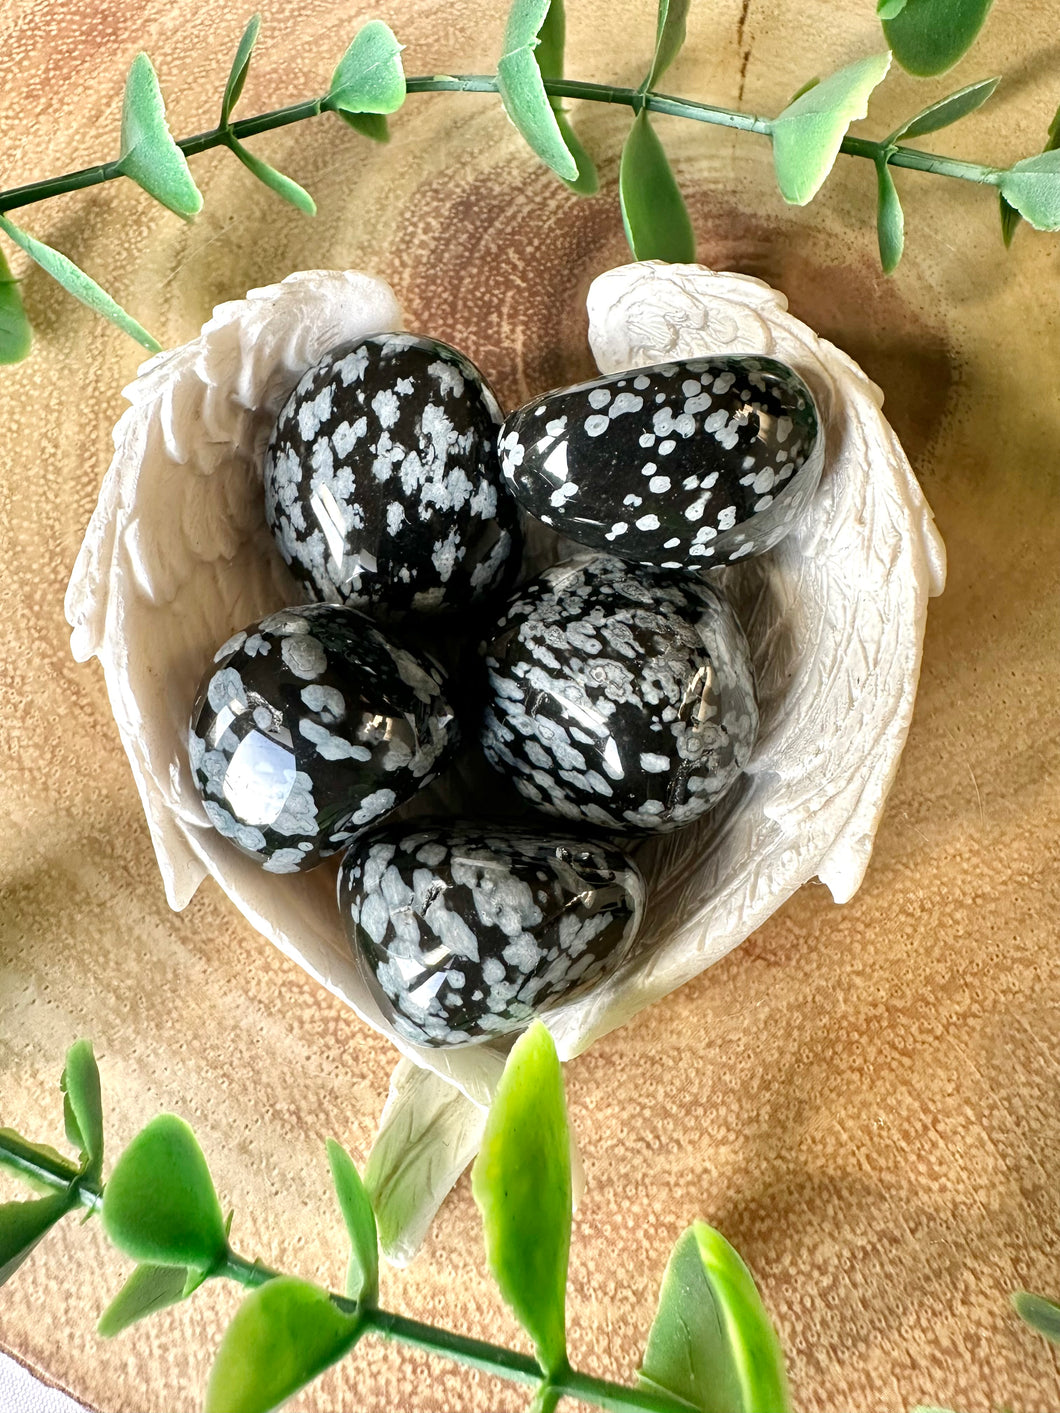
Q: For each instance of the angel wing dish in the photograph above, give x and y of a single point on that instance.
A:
(178, 556)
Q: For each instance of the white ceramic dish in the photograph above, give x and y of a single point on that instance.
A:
(178, 556)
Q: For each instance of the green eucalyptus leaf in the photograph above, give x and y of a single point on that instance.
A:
(362, 1277)
(810, 83)
(521, 1181)
(283, 186)
(890, 220)
(712, 1342)
(50, 1156)
(947, 110)
(194, 1277)
(669, 36)
(283, 1335)
(238, 74)
(15, 333)
(160, 1206)
(369, 77)
(525, 21)
(1033, 188)
(887, 9)
(549, 56)
(74, 280)
(654, 214)
(370, 125)
(22, 1224)
(1041, 1314)
(1010, 217)
(148, 1289)
(83, 1107)
(927, 37)
(808, 134)
(522, 90)
(148, 153)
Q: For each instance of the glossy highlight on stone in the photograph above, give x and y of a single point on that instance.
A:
(309, 726)
(382, 485)
(683, 465)
(619, 695)
(465, 931)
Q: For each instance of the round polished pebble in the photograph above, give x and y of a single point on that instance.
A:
(310, 725)
(464, 932)
(683, 465)
(382, 485)
(620, 696)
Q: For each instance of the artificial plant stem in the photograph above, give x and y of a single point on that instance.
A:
(23, 1158)
(476, 1353)
(487, 83)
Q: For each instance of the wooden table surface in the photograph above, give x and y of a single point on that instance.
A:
(864, 1099)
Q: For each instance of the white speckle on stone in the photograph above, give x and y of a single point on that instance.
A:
(648, 522)
(386, 407)
(624, 403)
(304, 657)
(331, 747)
(373, 805)
(596, 426)
(311, 414)
(666, 447)
(327, 702)
(599, 398)
(658, 484)
(234, 643)
(448, 376)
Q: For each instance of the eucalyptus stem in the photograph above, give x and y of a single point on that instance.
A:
(28, 1162)
(487, 83)
(475, 1353)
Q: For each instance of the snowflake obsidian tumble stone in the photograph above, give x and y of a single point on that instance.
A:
(382, 485)
(464, 932)
(682, 465)
(310, 725)
(620, 696)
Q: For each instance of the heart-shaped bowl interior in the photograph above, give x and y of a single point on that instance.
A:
(178, 556)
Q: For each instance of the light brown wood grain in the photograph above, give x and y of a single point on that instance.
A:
(864, 1099)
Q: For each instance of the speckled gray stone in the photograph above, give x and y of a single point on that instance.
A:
(683, 465)
(309, 726)
(465, 931)
(382, 485)
(620, 695)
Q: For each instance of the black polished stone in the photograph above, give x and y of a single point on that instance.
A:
(683, 465)
(382, 485)
(310, 725)
(464, 932)
(620, 695)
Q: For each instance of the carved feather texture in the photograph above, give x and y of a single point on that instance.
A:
(177, 557)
